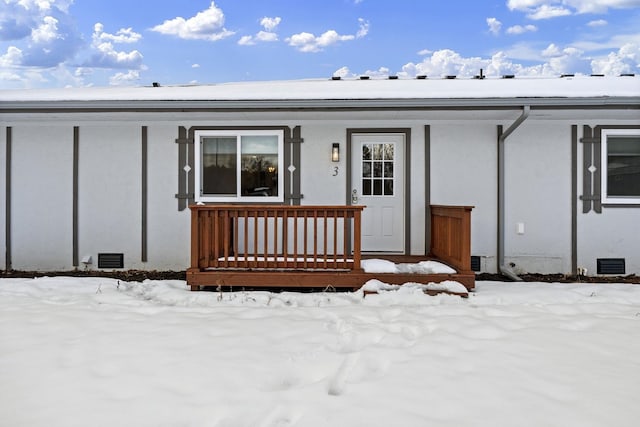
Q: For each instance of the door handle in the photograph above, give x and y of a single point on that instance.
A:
(354, 197)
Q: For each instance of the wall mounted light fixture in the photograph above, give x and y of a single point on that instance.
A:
(335, 152)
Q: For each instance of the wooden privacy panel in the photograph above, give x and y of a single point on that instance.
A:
(275, 237)
(451, 235)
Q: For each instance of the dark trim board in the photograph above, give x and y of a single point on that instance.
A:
(574, 199)
(76, 148)
(7, 218)
(427, 189)
(144, 195)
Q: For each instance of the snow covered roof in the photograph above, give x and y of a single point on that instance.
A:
(623, 90)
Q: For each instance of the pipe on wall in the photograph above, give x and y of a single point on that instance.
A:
(502, 136)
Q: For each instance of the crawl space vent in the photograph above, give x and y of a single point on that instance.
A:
(475, 263)
(110, 260)
(610, 266)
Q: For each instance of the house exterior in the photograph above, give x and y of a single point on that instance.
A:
(103, 177)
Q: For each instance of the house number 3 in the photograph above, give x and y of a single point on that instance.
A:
(335, 171)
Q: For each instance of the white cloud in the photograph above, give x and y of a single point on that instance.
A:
(83, 72)
(195, 66)
(42, 29)
(445, 62)
(307, 42)
(105, 54)
(45, 32)
(545, 9)
(364, 28)
(246, 41)
(343, 72)
(494, 26)
(122, 79)
(12, 58)
(598, 23)
(625, 60)
(547, 12)
(206, 25)
(9, 76)
(601, 6)
(123, 35)
(424, 52)
(449, 62)
(519, 29)
(270, 24)
(569, 61)
(551, 50)
(268, 35)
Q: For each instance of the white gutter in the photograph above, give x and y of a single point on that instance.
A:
(505, 270)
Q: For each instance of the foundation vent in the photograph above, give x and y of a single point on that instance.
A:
(475, 263)
(610, 266)
(111, 260)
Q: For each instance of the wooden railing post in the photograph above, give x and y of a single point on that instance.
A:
(451, 235)
(357, 239)
(195, 239)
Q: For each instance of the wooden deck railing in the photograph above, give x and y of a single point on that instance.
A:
(275, 237)
(451, 235)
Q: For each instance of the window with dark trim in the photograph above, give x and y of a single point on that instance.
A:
(620, 166)
(239, 165)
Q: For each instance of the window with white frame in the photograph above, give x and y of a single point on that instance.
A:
(239, 166)
(621, 166)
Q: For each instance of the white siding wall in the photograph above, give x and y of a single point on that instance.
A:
(614, 233)
(169, 231)
(42, 195)
(318, 185)
(109, 191)
(464, 172)
(538, 196)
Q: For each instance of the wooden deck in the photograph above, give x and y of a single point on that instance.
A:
(310, 247)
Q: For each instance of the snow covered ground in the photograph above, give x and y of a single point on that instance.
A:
(98, 352)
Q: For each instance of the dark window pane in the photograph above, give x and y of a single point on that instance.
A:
(623, 166)
(626, 146)
(366, 169)
(366, 152)
(259, 161)
(388, 169)
(388, 151)
(377, 187)
(219, 166)
(377, 151)
(388, 187)
(377, 169)
(623, 176)
(366, 187)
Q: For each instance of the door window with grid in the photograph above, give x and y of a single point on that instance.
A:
(378, 169)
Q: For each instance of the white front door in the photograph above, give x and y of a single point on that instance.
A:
(377, 179)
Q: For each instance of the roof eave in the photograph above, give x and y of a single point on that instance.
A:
(321, 104)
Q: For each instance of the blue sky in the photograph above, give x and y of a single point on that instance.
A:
(60, 43)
